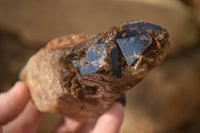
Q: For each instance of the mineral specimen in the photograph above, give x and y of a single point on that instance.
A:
(81, 77)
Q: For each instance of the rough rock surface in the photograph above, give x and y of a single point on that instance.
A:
(81, 78)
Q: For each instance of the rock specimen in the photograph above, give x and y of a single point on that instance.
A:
(81, 78)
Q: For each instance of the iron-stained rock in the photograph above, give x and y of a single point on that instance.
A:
(81, 78)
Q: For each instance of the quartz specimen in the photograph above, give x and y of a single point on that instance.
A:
(81, 77)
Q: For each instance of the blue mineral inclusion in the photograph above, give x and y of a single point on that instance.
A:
(132, 47)
(136, 40)
(94, 59)
(133, 40)
(141, 27)
(115, 60)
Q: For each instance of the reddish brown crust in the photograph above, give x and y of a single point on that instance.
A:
(69, 40)
(57, 86)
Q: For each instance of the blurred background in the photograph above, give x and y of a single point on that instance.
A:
(166, 101)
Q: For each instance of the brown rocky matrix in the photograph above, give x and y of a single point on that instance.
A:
(81, 77)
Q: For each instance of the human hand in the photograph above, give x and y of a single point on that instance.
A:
(19, 115)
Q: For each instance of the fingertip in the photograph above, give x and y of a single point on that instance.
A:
(67, 125)
(17, 97)
(13, 102)
(20, 87)
(115, 113)
(111, 120)
(27, 121)
(117, 109)
(20, 84)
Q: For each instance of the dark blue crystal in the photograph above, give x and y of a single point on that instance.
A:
(140, 27)
(132, 47)
(136, 39)
(115, 62)
(133, 39)
(94, 59)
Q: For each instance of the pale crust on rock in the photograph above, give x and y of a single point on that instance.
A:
(40, 75)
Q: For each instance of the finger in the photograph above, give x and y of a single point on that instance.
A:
(26, 122)
(87, 127)
(72, 126)
(13, 102)
(67, 126)
(113, 115)
(111, 120)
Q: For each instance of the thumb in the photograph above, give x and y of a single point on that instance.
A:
(13, 102)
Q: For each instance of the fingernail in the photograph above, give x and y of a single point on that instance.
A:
(122, 100)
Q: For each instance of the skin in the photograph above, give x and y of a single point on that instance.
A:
(19, 115)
